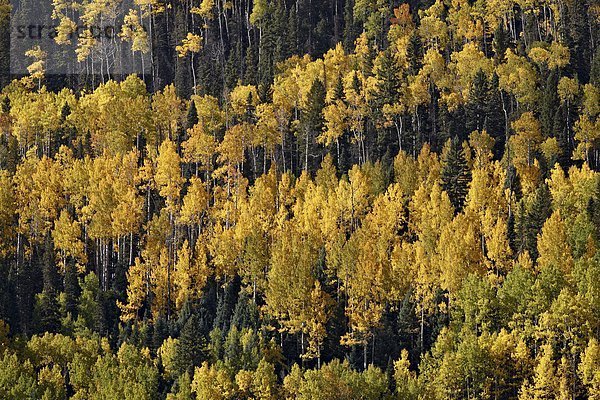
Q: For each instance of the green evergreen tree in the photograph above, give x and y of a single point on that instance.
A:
(549, 103)
(500, 44)
(47, 307)
(191, 350)
(387, 88)
(476, 108)
(455, 175)
(311, 125)
(192, 116)
(72, 289)
(495, 121)
(414, 54)
(530, 220)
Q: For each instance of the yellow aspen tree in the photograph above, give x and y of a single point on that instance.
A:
(7, 214)
(212, 383)
(182, 276)
(191, 44)
(465, 65)
(291, 280)
(168, 114)
(134, 33)
(335, 115)
(498, 251)
(127, 218)
(267, 133)
(459, 255)
(524, 145)
(255, 231)
(560, 56)
(163, 285)
(39, 195)
(589, 369)
(591, 100)
(264, 381)
(553, 246)
(66, 26)
(195, 204)
(519, 78)
(67, 241)
(319, 313)
(464, 22)
(225, 252)
(138, 289)
(587, 135)
(482, 144)
(37, 69)
(200, 148)
(158, 263)
(430, 211)
(102, 114)
(243, 97)
(486, 192)
(370, 284)
(168, 174)
(432, 29)
(544, 385)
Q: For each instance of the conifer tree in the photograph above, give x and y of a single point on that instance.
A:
(191, 346)
(192, 116)
(311, 123)
(455, 175)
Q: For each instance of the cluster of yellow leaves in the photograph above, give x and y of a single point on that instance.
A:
(192, 43)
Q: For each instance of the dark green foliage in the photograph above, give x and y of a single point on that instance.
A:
(414, 54)
(161, 332)
(549, 103)
(455, 176)
(477, 107)
(191, 350)
(192, 116)
(387, 93)
(311, 124)
(500, 44)
(72, 289)
(530, 219)
(245, 314)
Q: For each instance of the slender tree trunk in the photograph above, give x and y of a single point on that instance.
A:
(131, 248)
(422, 333)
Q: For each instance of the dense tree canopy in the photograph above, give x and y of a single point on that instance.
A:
(306, 200)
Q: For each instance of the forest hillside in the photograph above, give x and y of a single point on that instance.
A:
(319, 199)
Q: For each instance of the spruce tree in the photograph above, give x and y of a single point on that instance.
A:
(192, 345)
(350, 32)
(530, 220)
(311, 125)
(71, 289)
(500, 44)
(593, 210)
(455, 175)
(414, 54)
(245, 314)
(160, 333)
(476, 107)
(549, 103)
(192, 116)
(338, 90)
(47, 307)
(495, 121)
(250, 72)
